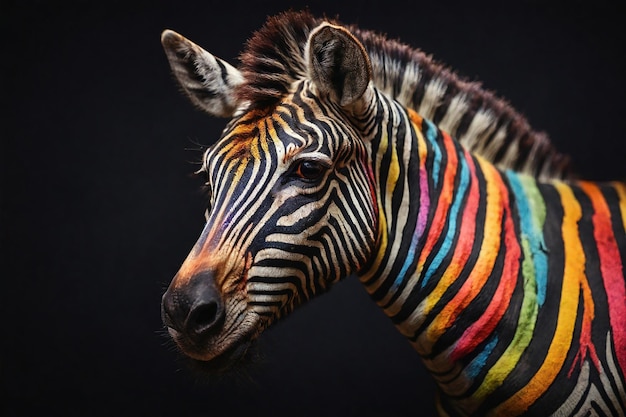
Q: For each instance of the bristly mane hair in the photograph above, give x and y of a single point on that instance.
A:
(487, 125)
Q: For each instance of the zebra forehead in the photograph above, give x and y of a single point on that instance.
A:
(273, 58)
(283, 129)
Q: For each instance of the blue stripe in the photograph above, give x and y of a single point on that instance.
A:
(431, 134)
(478, 363)
(452, 222)
(407, 263)
(531, 231)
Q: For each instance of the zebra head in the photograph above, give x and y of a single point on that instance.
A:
(292, 195)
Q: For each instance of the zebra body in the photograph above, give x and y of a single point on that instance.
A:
(511, 288)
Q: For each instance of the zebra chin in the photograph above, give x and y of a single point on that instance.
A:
(212, 358)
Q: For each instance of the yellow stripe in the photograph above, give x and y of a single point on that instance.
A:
(573, 275)
(382, 221)
(382, 245)
(394, 172)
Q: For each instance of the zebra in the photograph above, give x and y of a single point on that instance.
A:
(348, 153)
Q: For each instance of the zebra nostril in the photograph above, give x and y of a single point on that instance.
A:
(204, 317)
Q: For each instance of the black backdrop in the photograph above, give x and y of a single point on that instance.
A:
(99, 208)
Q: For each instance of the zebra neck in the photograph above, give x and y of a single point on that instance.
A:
(448, 258)
(461, 267)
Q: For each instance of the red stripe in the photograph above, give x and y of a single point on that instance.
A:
(611, 268)
(484, 326)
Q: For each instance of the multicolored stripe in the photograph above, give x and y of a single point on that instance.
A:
(511, 289)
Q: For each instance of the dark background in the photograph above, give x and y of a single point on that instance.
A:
(99, 207)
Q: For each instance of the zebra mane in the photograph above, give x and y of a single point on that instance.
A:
(483, 123)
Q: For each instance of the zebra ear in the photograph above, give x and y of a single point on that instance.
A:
(208, 81)
(338, 64)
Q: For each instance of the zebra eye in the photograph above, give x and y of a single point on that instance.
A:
(309, 170)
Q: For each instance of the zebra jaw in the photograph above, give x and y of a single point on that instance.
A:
(215, 352)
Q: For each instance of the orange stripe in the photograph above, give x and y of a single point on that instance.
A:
(620, 188)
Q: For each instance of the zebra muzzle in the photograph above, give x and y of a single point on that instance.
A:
(195, 310)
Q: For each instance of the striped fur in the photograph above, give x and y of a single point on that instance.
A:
(484, 123)
(510, 287)
(512, 290)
